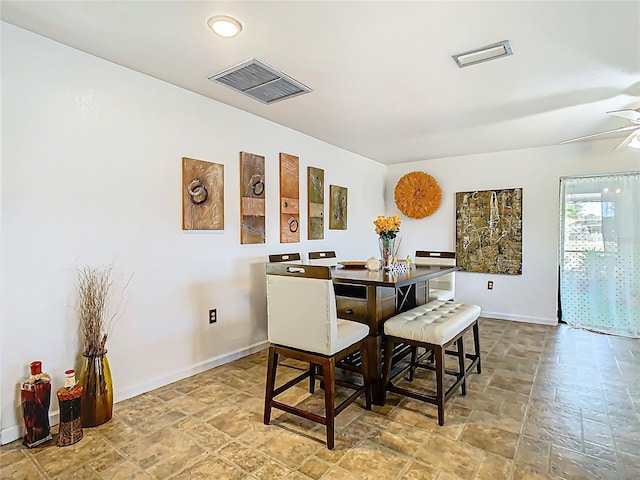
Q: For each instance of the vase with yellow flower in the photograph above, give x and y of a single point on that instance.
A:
(387, 229)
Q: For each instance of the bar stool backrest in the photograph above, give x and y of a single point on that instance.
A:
(301, 308)
(326, 258)
(285, 257)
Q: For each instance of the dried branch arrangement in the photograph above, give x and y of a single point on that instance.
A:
(94, 295)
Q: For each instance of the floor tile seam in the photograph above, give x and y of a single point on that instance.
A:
(413, 460)
(317, 459)
(440, 471)
(116, 449)
(224, 460)
(21, 451)
(245, 471)
(186, 467)
(377, 430)
(33, 461)
(129, 459)
(401, 474)
(594, 459)
(325, 475)
(388, 450)
(65, 473)
(253, 449)
(525, 419)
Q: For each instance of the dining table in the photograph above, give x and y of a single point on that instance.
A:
(371, 297)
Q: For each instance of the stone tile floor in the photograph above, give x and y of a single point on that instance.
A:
(551, 403)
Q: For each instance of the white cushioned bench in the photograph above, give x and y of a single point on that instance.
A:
(435, 326)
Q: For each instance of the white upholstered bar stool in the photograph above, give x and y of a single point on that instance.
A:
(435, 326)
(303, 324)
(444, 287)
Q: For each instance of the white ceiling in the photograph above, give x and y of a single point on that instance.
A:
(385, 85)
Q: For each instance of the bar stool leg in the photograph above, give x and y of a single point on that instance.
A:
(312, 377)
(329, 371)
(272, 364)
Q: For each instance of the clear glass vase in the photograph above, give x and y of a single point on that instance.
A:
(386, 252)
(97, 390)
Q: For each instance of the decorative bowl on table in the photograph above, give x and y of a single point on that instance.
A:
(353, 264)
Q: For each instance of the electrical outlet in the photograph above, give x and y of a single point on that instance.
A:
(490, 285)
(213, 315)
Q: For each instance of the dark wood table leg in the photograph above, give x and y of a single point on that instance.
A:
(373, 344)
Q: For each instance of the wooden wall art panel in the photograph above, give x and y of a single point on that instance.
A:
(289, 198)
(315, 199)
(252, 204)
(489, 231)
(337, 207)
(202, 195)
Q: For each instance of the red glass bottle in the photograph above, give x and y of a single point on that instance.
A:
(69, 398)
(35, 397)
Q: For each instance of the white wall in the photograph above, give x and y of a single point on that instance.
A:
(91, 174)
(531, 296)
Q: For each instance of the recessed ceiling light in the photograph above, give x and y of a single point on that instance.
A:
(224, 25)
(484, 54)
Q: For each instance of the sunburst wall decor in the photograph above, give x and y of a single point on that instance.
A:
(417, 195)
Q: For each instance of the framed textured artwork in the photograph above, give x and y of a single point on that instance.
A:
(315, 203)
(289, 198)
(202, 195)
(252, 205)
(337, 207)
(489, 231)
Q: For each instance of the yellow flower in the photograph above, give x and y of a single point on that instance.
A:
(387, 227)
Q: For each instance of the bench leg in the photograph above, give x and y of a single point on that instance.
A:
(461, 357)
(388, 358)
(439, 354)
(476, 341)
(414, 359)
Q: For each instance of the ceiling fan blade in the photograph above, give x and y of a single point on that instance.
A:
(632, 140)
(633, 115)
(621, 129)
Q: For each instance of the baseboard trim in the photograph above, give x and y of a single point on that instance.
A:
(189, 372)
(520, 318)
(14, 432)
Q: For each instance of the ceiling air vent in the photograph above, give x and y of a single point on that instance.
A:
(258, 80)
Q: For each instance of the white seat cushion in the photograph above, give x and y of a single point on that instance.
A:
(436, 322)
(349, 333)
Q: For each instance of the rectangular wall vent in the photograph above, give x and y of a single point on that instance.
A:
(484, 54)
(258, 80)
